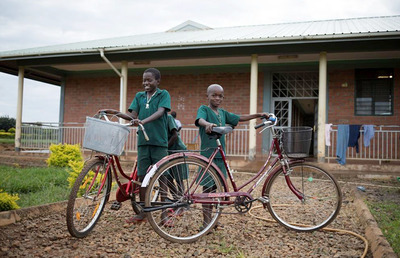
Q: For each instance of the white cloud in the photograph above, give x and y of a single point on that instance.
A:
(25, 24)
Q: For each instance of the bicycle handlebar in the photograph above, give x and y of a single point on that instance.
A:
(123, 116)
(146, 137)
(271, 120)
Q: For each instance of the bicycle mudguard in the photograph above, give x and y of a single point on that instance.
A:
(152, 170)
(276, 169)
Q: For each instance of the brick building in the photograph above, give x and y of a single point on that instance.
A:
(307, 73)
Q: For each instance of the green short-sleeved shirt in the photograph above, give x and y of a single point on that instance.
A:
(157, 129)
(224, 117)
(178, 144)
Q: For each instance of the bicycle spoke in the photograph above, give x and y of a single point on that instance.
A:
(178, 182)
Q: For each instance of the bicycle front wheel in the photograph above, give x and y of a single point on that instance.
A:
(316, 204)
(88, 197)
(177, 191)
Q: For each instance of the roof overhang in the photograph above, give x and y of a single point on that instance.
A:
(43, 67)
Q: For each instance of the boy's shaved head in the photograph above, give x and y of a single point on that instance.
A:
(214, 87)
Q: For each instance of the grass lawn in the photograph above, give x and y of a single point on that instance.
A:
(387, 215)
(35, 186)
(8, 141)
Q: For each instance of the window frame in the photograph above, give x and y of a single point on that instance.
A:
(363, 75)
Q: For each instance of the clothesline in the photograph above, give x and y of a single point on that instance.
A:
(348, 136)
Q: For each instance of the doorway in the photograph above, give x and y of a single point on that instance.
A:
(295, 99)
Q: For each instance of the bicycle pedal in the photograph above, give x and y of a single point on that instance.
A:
(116, 205)
(263, 199)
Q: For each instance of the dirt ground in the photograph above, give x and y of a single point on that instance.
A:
(242, 235)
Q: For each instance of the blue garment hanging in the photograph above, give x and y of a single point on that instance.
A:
(369, 132)
(341, 144)
(354, 135)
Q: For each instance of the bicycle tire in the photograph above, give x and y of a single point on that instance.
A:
(191, 221)
(84, 208)
(321, 205)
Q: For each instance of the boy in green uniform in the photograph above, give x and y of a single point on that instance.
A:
(149, 108)
(211, 116)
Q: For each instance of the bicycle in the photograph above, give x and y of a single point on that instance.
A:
(299, 196)
(92, 188)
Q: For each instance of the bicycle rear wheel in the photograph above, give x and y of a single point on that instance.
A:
(87, 198)
(174, 187)
(322, 198)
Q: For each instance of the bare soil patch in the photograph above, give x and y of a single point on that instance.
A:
(242, 236)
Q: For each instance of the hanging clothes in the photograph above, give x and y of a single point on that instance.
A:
(354, 135)
(369, 133)
(328, 129)
(341, 144)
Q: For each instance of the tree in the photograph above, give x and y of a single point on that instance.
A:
(6, 123)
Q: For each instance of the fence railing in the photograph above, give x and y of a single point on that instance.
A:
(40, 137)
(384, 146)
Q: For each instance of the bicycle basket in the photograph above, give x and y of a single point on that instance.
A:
(103, 136)
(296, 141)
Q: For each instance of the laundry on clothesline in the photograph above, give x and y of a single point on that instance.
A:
(342, 143)
(328, 130)
(354, 135)
(369, 133)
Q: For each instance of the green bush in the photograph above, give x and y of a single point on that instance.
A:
(11, 130)
(7, 201)
(5, 135)
(74, 169)
(6, 123)
(62, 154)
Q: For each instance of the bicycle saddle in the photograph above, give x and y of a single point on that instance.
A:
(217, 132)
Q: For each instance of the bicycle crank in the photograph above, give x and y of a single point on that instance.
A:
(243, 204)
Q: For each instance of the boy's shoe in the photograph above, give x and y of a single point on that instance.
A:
(141, 217)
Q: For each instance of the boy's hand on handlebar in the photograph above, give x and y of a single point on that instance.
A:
(209, 127)
(136, 122)
(265, 115)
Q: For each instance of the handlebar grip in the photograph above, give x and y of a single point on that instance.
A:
(146, 137)
(259, 125)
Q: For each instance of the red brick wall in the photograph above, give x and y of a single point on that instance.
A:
(341, 100)
(85, 96)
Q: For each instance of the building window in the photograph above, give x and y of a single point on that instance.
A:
(374, 92)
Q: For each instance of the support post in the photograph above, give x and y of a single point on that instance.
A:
(124, 86)
(253, 105)
(21, 73)
(322, 106)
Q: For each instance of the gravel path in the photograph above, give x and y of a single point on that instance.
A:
(242, 236)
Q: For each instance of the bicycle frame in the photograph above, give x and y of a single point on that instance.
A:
(262, 173)
(206, 198)
(114, 164)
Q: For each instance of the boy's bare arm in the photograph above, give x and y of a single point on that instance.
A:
(129, 116)
(173, 138)
(252, 116)
(156, 115)
(207, 125)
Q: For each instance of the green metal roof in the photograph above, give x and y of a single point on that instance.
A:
(205, 36)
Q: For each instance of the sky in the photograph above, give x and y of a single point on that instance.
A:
(27, 23)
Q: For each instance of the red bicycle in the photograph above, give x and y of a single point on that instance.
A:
(93, 186)
(186, 192)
